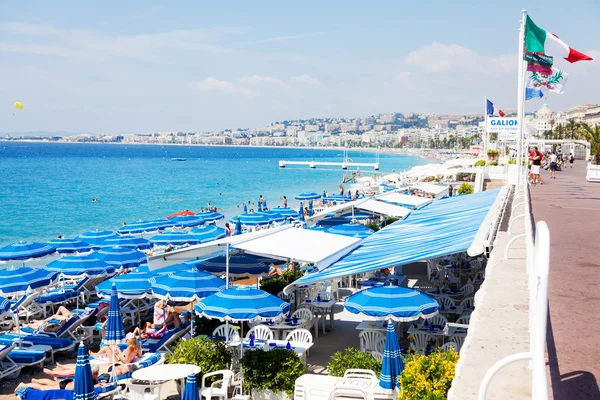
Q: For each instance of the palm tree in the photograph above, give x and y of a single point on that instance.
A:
(592, 135)
(552, 122)
(560, 131)
(572, 127)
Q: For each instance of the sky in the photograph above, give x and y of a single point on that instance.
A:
(143, 66)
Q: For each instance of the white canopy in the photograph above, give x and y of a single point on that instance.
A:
(437, 190)
(383, 208)
(405, 200)
(302, 245)
(336, 210)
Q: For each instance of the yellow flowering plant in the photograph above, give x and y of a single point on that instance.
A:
(428, 377)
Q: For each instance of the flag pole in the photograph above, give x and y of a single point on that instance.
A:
(521, 101)
(485, 131)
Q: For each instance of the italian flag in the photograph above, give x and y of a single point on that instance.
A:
(537, 40)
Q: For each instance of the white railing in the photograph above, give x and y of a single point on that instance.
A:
(538, 260)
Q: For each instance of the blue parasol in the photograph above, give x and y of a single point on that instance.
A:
(310, 208)
(392, 365)
(352, 230)
(285, 212)
(130, 241)
(175, 238)
(81, 266)
(252, 219)
(18, 280)
(238, 227)
(239, 265)
(210, 216)
(301, 213)
(188, 221)
(96, 238)
(208, 233)
(190, 392)
(134, 285)
(188, 286)
(25, 250)
(83, 379)
(308, 196)
(120, 256)
(66, 246)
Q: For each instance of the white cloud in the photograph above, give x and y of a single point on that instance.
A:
(306, 79)
(257, 79)
(211, 83)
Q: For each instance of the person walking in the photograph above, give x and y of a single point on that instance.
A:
(535, 167)
(553, 164)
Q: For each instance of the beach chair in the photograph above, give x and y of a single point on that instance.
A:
(363, 374)
(290, 298)
(105, 391)
(25, 306)
(58, 345)
(341, 391)
(459, 339)
(165, 342)
(219, 388)
(25, 357)
(446, 346)
(227, 334)
(260, 332)
(468, 303)
(8, 368)
(300, 336)
(368, 340)
(72, 328)
(419, 341)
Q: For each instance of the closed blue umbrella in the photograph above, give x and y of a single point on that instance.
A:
(210, 216)
(259, 206)
(96, 238)
(189, 285)
(174, 238)
(392, 365)
(188, 221)
(352, 230)
(134, 285)
(115, 332)
(239, 265)
(25, 250)
(265, 204)
(392, 302)
(208, 233)
(120, 256)
(4, 305)
(83, 380)
(308, 196)
(238, 227)
(252, 219)
(190, 392)
(245, 208)
(66, 246)
(241, 304)
(17, 280)
(301, 213)
(310, 208)
(285, 212)
(324, 194)
(81, 266)
(129, 241)
(356, 194)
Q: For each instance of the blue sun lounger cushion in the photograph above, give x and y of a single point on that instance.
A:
(34, 394)
(57, 344)
(27, 357)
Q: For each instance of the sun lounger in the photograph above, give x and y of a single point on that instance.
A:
(25, 357)
(25, 306)
(8, 368)
(165, 342)
(57, 344)
(72, 328)
(34, 394)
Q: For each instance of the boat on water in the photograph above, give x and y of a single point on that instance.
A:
(178, 159)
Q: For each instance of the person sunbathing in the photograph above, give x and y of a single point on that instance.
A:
(154, 331)
(65, 384)
(112, 353)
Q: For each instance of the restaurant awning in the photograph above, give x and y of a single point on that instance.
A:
(382, 208)
(444, 227)
(438, 191)
(405, 200)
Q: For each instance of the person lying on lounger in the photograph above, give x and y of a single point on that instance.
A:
(151, 330)
(65, 384)
(62, 315)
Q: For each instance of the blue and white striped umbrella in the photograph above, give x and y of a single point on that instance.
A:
(134, 285)
(189, 285)
(392, 365)
(190, 392)
(120, 256)
(115, 332)
(25, 250)
(337, 197)
(310, 208)
(16, 280)
(308, 196)
(129, 241)
(245, 208)
(259, 206)
(66, 246)
(241, 304)
(286, 212)
(81, 266)
(273, 216)
(96, 238)
(392, 302)
(146, 226)
(352, 230)
(83, 380)
(188, 221)
(210, 216)
(239, 265)
(4, 305)
(175, 238)
(238, 227)
(252, 219)
(208, 233)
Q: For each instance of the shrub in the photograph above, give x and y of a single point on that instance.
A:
(275, 370)
(493, 153)
(352, 358)
(494, 164)
(209, 355)
(276, 284)
(512, 160)
(480, 163)
(465, 188)
(205, 326)
(428, 377)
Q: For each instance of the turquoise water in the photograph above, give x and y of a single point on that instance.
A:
(47, 188)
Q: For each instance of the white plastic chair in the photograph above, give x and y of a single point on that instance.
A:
(290, 298)
(260, 332)
(380, 345)
(357, 373)
(446, 301)
(368, 340)
(464, 319)
(219, 388)
(349, 392)
(467, 289)
(420, 341)
(377, 355)
(300, 336)
(448, 345)
(324, 295)
(470, 301)
(459, 339)
(438, 320)
(230, 335)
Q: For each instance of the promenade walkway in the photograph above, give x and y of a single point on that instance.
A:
(571, 208)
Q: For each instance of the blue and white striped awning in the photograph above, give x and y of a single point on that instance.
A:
(444, 227)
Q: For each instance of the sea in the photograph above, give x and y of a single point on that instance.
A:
(47, 189)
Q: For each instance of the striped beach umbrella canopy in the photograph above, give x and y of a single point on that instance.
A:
(252, 219)
(238, 227)
(147, 226)
(273, 216)
(17, 280)
(130, 241)
(66, 246)
(189, 285)
(188, 221)
(241, 304)
(174, 238)
(210, 216)
(25, 250)
(301, 213)
(308, 196)
(120, 256)
(286, 212)
(352, 230)
(4, 305)
(392, 364)
(208, 233)
(134, 285)
(83, 380)
(115, 332)
(239, 265)
(392, 302)
(190, 392)
(81, 266)
(96, 238)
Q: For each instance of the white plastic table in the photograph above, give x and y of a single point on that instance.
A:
(326, 305)
(158, 374)
(379, 326)
(299, 348)
(280, 326)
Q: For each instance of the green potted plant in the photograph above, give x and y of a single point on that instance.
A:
(465, 188)
(592, 135)
(428, 377)
(480, 163)
(352, 358)
(493, 154)
(271, 374)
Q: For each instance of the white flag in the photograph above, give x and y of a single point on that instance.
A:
(548, 82)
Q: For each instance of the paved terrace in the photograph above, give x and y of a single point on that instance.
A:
(571, 207)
